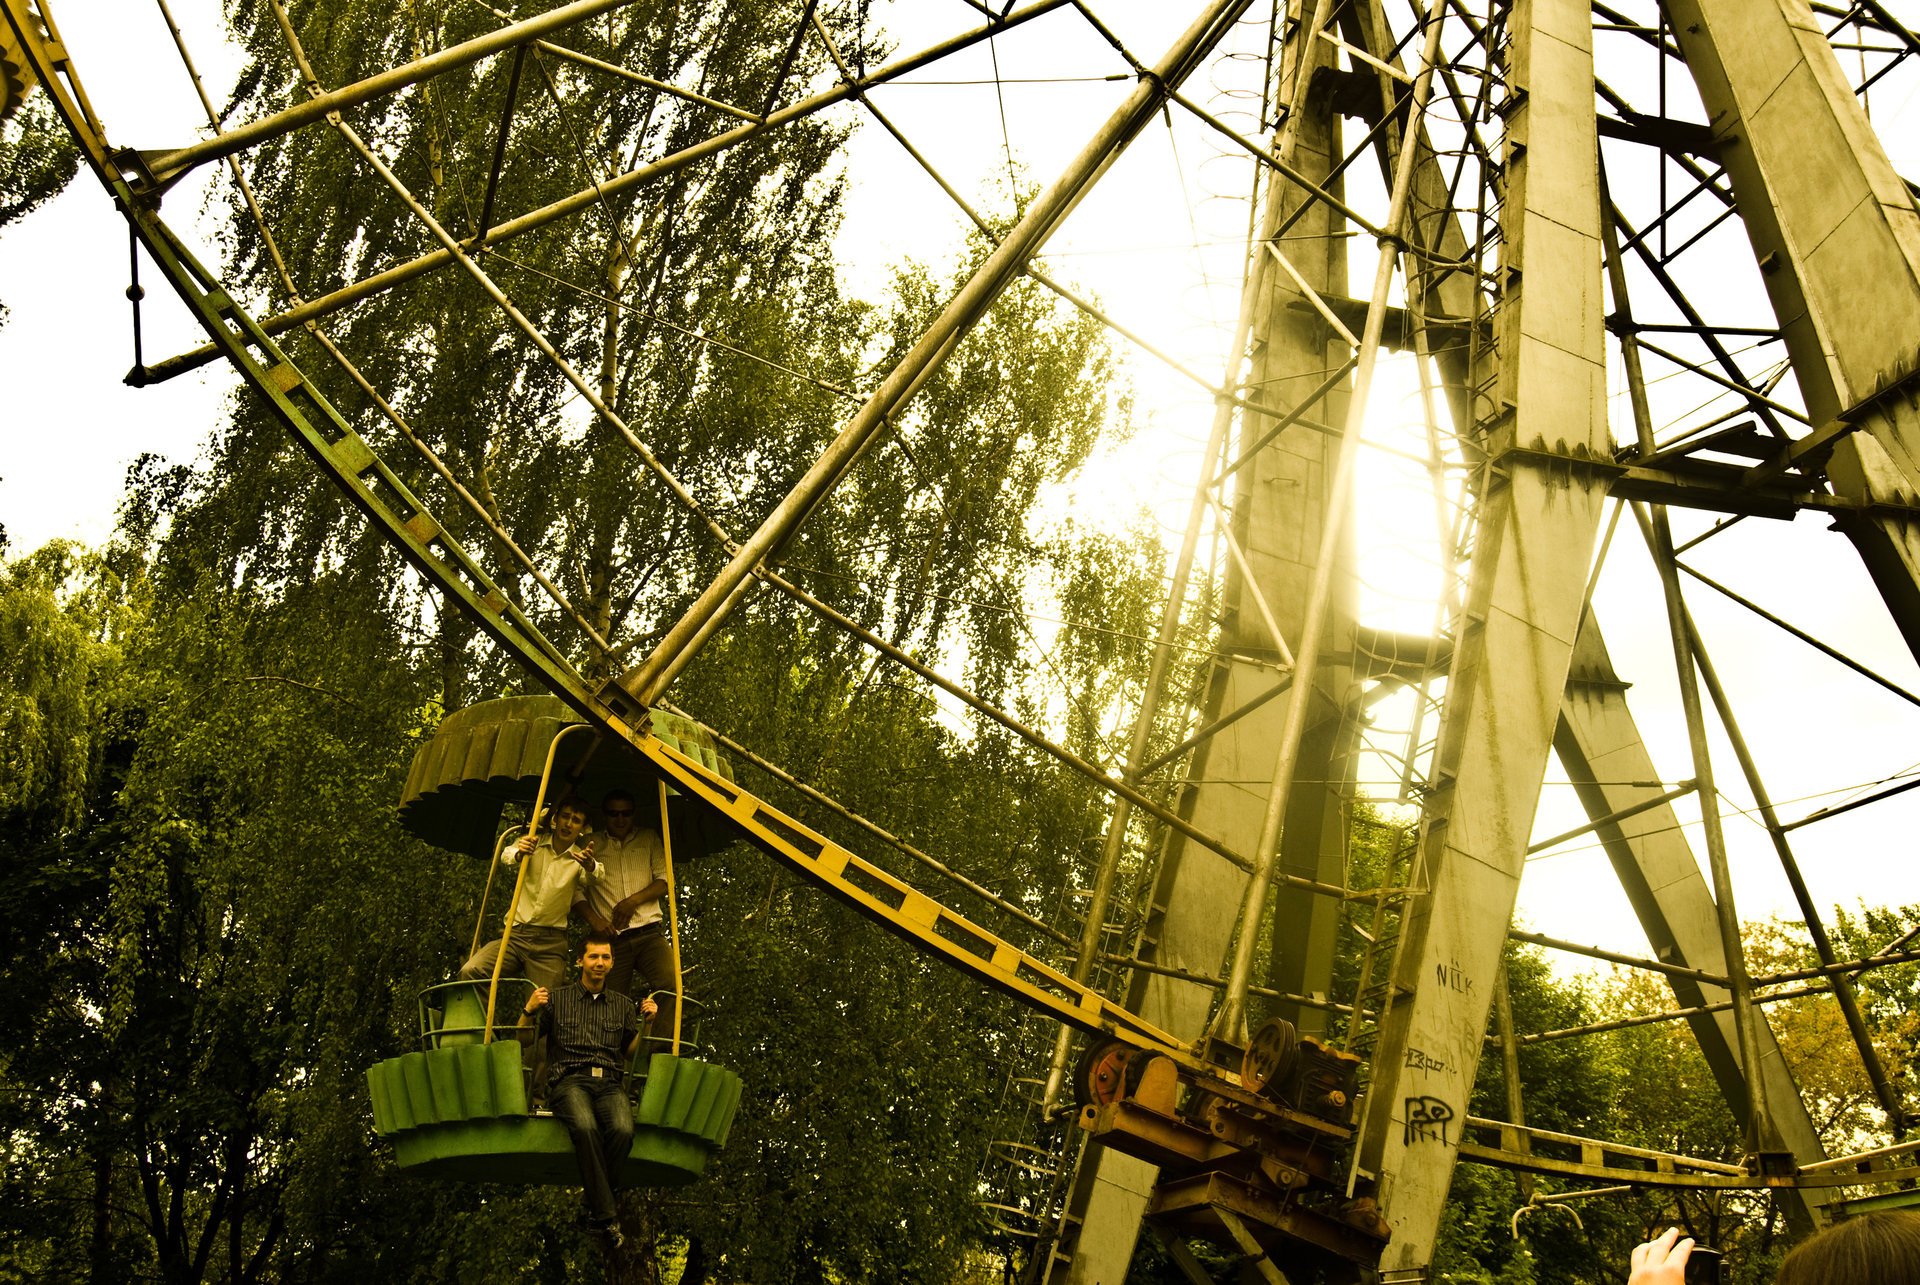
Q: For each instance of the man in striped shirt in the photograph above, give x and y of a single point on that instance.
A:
(593, 1032)
(626, 904)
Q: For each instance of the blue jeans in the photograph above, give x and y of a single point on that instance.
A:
(600, 1122)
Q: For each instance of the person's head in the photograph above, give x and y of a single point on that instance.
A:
(616, 809)
(1870, 1249)
(567, 820)
(596, 959)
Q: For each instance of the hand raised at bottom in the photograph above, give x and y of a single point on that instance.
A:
(1662, 1261)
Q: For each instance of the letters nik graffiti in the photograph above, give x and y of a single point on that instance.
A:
(1426, 1121)
(1452, 978)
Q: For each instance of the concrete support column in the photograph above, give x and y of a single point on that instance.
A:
(1837, 235)
(1278, 504)
(1539, 505)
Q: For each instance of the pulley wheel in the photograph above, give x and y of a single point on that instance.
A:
(1100, 1077)
(1269, 1055)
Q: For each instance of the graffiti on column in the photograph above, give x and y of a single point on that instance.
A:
(1452, 977)
(1426, 1121)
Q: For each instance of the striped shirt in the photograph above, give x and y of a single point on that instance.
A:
(587, 1029)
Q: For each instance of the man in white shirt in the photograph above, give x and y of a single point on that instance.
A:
(627, 905)
(558, 863)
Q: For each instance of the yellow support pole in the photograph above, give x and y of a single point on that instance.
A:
(520, 878)
(480, 920)
(673, 919)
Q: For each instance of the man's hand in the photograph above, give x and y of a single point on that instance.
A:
(622, 916)
(1662, 1261)
(540, 998)
(648, 1008)
(526, 844)
(584, 856)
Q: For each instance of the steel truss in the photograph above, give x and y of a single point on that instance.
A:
(1498, 221)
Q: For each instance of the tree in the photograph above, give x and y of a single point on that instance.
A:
(37, 158)
(258, 925)
(62, 617)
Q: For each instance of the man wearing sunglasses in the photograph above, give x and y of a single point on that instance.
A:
(626, 904)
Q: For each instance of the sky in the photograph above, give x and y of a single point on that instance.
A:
(1159, 242)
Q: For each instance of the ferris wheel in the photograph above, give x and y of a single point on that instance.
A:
(1645, 277)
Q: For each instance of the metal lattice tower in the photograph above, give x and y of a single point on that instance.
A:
(1531, 206)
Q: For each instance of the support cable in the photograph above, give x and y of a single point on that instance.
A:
(320, 336)
(1065, 292)
(1824, 649)
(1669, 1015)
(164, 167)
(703, 336)
(1759, 1129)
(645, 682)
(391, 413)
(981, 604)
(1856, 1022)
(535, 336)
(1825, 814)
(1761, 405)
(615, 226)
(623, 73)
(569, 205)
(233, 164)
(1006, 138)
(473, 504)
(1887, 958)
(873, 828)
(1066, 757)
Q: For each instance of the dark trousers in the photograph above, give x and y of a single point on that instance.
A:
(600, 1122)
(642, 964)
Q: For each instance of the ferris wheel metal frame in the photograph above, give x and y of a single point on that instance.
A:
(1505, 465)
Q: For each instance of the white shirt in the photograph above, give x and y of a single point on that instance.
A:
(629, 865)
(547, 895)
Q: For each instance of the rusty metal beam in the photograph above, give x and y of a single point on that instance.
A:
(646, 681)
(150, 170)
(401, 273)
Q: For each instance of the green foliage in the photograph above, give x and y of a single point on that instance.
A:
(223, 922)
(1649, 1085)
(61, 614)
(37, 158)
(209, 725)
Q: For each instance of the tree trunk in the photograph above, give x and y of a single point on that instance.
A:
(100, 1246)
(638, 1260)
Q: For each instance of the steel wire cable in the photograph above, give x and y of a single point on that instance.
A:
(494, 526)
(562, 602)
(1732, 808)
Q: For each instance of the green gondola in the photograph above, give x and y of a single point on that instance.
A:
(488, 755)
(457, 1109)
